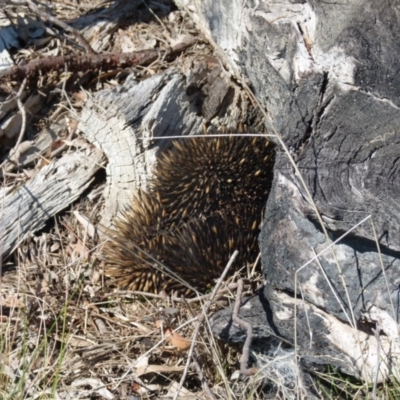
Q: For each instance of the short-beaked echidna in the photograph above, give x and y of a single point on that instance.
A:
(201, 175)
(204, 201)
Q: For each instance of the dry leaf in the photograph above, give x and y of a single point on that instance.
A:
(135, 387)
(54, 247)
(142, 362)
(82, 250)
(174, 338)
(139, 326)
(159, 369)
(85, 223)
(95, 384)
(22, 148)
(74, 341)
(177, 339)
(147, 388)
(11, 302)
(79, 97)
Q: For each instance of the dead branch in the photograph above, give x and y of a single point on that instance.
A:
(246, 347)
(14, 152)
(85, 62)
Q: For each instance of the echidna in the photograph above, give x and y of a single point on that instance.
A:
(201, 175)
(205, 201)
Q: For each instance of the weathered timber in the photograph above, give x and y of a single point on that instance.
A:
(124, 121)
(27, 208)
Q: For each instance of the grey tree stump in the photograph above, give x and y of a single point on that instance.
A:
(327, 75)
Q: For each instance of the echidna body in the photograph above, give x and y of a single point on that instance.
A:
(196, 253)
(201, 175)
(204, 202)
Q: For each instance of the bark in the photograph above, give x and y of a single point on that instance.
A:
(326, 72)
(51, 190)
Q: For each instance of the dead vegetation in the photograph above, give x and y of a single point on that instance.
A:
(64, 333)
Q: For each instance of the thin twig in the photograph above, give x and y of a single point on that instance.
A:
(376, 333)
(206, 135)
(310, 332)
(47, 17)
(333, 290)
(201, 320)
(296, 275)
(378, 247)
(244, 360)
(225, 289)
(22, 110)
(201, 377)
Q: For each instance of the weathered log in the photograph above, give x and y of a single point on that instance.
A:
(51, 190)
(124, 121)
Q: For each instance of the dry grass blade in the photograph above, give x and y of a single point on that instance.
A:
(201, 320)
